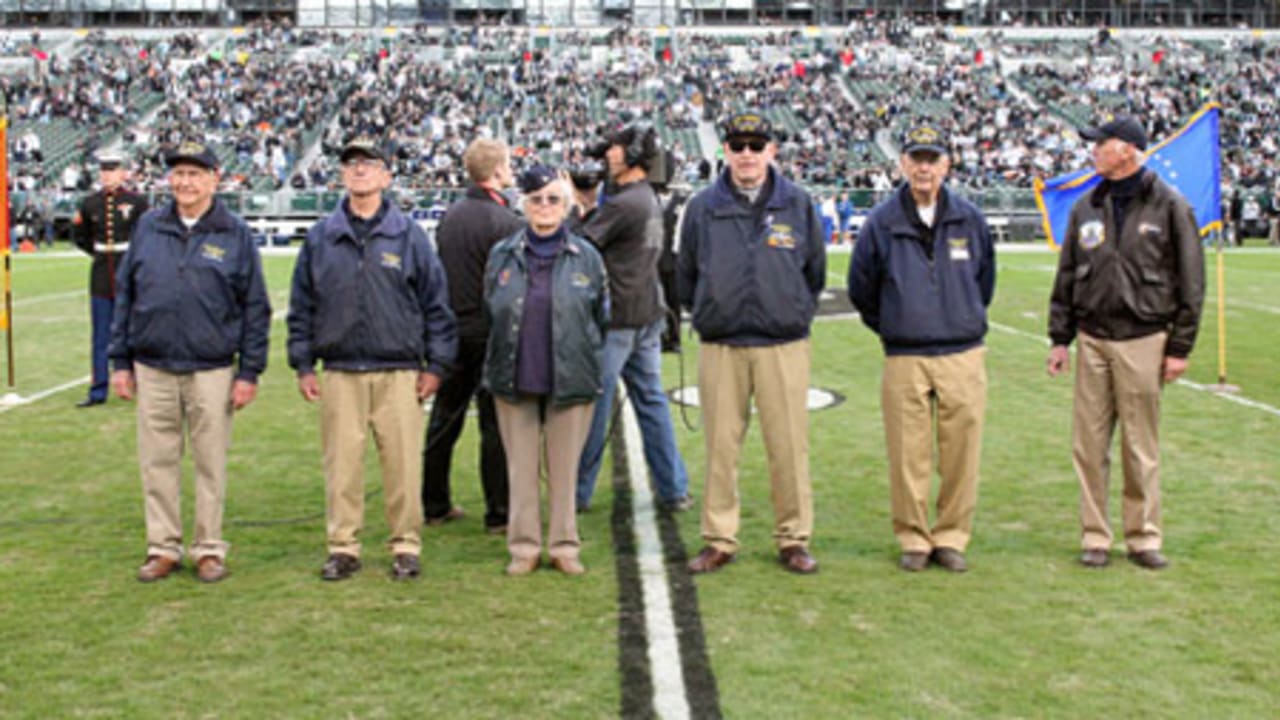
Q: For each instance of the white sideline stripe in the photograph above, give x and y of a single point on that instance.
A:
(11, 404)
(20, 302)
(1229, 397)
(1211, 300)
(665, 668)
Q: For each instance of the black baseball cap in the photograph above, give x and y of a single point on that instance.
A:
(196, 153)
(925, 138)
(1122, 127)
(365, 145)
(536, 178)
(750, 123)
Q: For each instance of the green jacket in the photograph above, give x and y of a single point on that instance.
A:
(579, 318)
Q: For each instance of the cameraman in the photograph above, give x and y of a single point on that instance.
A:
(627, 229)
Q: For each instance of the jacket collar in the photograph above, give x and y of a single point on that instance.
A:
(1145, 185)
(216, 219)
(907, 218)
(337, 226)
(724, 198)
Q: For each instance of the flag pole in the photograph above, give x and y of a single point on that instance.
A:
(6, 318)
(1222, 385)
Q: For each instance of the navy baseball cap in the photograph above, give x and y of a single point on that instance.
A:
(1122, 127)
(536, 178)
(365, 145)
(195, 153)
(747, 124)
(925, 138)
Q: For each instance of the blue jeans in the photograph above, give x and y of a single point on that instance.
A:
(101, 309)
(635, 354)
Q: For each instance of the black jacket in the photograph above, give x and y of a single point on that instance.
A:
(627, 229)
(106, 238)
(470, 228)
(191, 299)
(1146, 278)
(381, 304)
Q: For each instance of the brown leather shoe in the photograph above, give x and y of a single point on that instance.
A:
(157, 567)
(709, 560)
(949, 559)
(568, 565)
(1095, 558)
(798, 560)
(522, 566)
(1149, 559)
(913, 561)
(211, 569)
(455, 513)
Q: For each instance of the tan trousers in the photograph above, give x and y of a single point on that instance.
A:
(922, 399)
(1118, 380)
(778, 377)
(351, 404)
(525, 426)
(168, 402)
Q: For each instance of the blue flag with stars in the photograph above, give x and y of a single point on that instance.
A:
(1190, 160)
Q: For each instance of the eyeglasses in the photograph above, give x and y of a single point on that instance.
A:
(757, 146)
(543, 199)
(361, 162)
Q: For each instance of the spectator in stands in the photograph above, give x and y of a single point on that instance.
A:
(470, 228)
(369, 299)
(191, 300)
(541, 283)
(922, 275)
(627, 230)
(102, 229)
(754, 327)
(1130, 285)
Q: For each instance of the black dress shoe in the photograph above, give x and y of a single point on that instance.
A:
(949, 559)
(798, 560)
(1149, 559)
(405, 567)
(90, 402)
(1095, 558)
(912, 561)
(340, 567)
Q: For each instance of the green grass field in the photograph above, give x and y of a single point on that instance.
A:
(1027, 633)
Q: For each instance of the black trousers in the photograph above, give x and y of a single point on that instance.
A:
(448, 414)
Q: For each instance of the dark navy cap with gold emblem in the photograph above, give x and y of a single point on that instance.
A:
(925, 138)
(536, 178)
(1122, 127)
(193, 152)
(363, 145)
(747, 124)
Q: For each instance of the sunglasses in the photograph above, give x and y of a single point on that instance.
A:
(362, 162)
(757, 146)
(544, 199)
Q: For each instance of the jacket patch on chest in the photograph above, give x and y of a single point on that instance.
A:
(1092, 234)
(959, 248)
(212, 253)
(391, 260)
(580, 280)
(504, 277)
(126, 209)
(780, 236)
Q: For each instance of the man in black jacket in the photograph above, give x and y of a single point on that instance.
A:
(1130, 286)
(473, 225)
(102, 229)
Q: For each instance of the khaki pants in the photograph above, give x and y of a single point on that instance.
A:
(778, 377)
(350, 404)
(525, 425)
(168, 402)
(1118, 380)
(921, 396)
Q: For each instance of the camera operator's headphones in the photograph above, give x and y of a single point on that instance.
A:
(643, 144)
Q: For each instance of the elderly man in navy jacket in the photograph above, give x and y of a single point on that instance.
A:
(922, 275)
(751, 266)
(190, 300)
(369, 300)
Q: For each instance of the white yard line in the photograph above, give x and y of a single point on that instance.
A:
(13, 400)
(23, 301)
(665, 667)
(1229, 397)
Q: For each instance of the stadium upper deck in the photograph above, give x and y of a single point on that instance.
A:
(274, 99)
